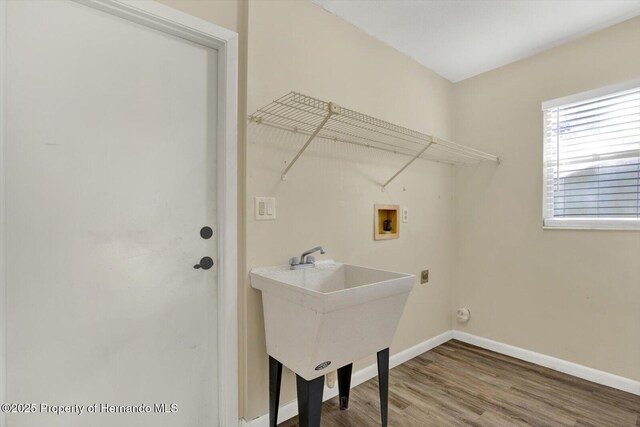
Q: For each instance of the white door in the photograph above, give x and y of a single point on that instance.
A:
(110, 176)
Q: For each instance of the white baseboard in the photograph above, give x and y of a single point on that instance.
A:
(290, 409)
(580, 371)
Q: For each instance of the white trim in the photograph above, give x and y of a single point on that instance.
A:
(590, 94)
(166, 19)
(591, 224)
(227, 169)
(574, 369)
(3, 320)
(290, 409)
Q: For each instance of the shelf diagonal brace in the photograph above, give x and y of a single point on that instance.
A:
(413, 159)
(333, 109)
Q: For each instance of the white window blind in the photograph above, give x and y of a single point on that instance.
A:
(592, 161)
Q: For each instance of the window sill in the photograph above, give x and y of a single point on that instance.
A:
(591, 224)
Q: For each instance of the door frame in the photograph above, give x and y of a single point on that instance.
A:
(166, 19)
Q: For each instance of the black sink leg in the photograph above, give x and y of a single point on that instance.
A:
(344, 385)
(383, 384)
(309, 401)
(275, 379)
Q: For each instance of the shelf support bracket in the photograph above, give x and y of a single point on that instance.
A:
(333, 109)
(413, 159)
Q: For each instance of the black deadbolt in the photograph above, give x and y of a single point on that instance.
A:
(206, 232)
(205, 263)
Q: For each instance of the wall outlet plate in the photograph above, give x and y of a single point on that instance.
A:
(424, 277)
(405, 214)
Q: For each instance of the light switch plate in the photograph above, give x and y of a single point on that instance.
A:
(265, 208)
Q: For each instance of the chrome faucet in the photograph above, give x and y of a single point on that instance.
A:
(305, 260)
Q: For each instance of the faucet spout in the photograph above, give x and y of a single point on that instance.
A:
(305, 261)
(309, 252)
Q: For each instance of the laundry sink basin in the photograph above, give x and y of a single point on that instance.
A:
(320, 319)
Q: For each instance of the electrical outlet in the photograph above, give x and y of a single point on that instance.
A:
(424, 277)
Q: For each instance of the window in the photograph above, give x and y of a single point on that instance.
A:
(592, 159)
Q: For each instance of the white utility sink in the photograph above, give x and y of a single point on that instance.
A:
(320, 319)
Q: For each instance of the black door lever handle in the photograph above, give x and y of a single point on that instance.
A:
(205, 263)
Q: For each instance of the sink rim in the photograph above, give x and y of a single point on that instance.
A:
(256, 271)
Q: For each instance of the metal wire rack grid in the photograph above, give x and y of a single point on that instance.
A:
(321, 119)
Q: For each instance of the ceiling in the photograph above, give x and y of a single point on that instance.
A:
(459, 39)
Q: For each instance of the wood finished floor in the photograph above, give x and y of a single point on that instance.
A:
(457, 384)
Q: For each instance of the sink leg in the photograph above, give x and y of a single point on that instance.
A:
(344, 385)
(383, 384)
(275, 379)
(309, 401)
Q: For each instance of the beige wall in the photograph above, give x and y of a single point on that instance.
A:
(329, 195)
(569, 294)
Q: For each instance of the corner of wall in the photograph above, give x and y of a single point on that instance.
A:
(243, 32)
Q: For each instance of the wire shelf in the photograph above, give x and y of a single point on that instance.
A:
(321, 119)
